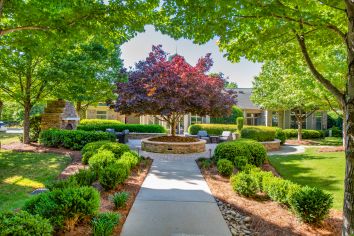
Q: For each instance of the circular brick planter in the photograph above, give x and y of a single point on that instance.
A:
(172, 147)
(272, 145)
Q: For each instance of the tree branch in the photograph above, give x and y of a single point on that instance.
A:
(320, 78)
(8, 31)
(11, 94)
(334, 7)
(330, 106)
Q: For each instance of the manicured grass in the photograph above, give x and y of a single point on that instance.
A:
(324, 170)
(331, 141)
(22, 172)
(6, 138)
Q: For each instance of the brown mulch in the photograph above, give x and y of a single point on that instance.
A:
(332, 149)
(303, 142)
(174, 139)
(132, 186)
(268, 217)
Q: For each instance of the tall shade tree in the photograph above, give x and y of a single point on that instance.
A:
(279, 88)
(90, 71)
(299, 32)
(169, 87)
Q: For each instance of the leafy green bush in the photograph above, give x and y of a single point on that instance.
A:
(93, 148)
(112, 175)
(120, 199)
(306, 133)
(99, 122)
(235, 113)
(104, 223)
(120, 127)
(85, 177)
(239, 122)
(260, 176)
(240, 162)
(70, 182)
(205, 163)
(279, 134)
(212, 129)
(65, 207)
(131, 157)
(225, 167)
(101, 159)
(255, 152)
(278, 189)
(244, 184)
(311, 205)
(259, 133)
(336, 132)
(22, 223)
(73, 139)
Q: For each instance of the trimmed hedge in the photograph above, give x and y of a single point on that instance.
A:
(112, 175)
(225, 167)
(255, 152)
(23, 223)
(93, 148)
(279, 134)
(259, 133)
(244, 184)
(99, 122)
(212, 129)
(65, 207)
(120, 127)
(73, 139)
(306, 133)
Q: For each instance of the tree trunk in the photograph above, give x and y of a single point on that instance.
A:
(344, 132)
(1, 108)
(299, 131)
(81, 111)
(26, 123)
(348, 209)
(173, 127)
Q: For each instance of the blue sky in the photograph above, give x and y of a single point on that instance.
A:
(138, 48)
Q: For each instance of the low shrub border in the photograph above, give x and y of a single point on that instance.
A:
(212, 129)
(73, 139)
(120, 127)
(99, 122)
(306, 133)
(259, 133)
(311, 205)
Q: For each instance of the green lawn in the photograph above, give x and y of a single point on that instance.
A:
(8, 138)
(323, 170)
(327, 141)
(22, 172)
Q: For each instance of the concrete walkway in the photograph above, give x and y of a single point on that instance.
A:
(175, 200)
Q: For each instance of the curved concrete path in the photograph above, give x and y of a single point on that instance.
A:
(175, 200)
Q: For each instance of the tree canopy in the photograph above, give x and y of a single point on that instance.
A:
(171, 88)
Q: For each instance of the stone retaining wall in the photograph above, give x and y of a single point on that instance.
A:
(144, 135)
(173, 147)
(272, 145)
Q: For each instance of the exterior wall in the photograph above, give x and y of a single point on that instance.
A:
(286, 119)
(91, 113)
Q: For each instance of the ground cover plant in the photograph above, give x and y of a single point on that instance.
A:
(316, 169)
(23, 172)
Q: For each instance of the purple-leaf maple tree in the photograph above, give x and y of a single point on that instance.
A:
(169, 87)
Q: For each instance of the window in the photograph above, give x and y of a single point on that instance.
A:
(275, 118)
(195, 119)
(101, 115)
(293, 124)
(253, 119)
(318, 117)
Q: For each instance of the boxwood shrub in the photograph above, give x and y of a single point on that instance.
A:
(259, 133)
(65, 207)
(112, 175)
(212, 129)
(23, 223)
(244, 184)
(255, 152)
(225, 167)
(99, 122)
(93, 148)
(279, 134)
(306, 133)
(101, 159)
(120, 127)
(73, 139)
(279, 190)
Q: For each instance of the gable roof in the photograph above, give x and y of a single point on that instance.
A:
(244, 98)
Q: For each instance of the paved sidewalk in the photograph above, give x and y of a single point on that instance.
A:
(175, 200)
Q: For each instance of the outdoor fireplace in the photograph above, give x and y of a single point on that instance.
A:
(59, 114)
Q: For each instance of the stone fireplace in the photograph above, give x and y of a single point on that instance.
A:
(59, 114)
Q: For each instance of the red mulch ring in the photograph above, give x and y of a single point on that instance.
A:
(331, 149)
(174, 139)
(268, 217)
(132, 186)
(303, 142)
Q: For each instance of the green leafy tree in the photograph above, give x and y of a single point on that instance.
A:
(315, 33)
(230, 85)
(277, 88)
(231, 119)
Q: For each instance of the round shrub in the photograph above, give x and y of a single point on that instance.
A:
(225, 167)
(90, 149)
(239, 122)
(70, 182)
(23, 223)
(112, 175)
(101, 159)
(260, 176)
(117, 148)
(279, 134)
(311, 205)
(65, 207)
(255, 152)
(244, 184)
(259, 133)
(278, 189)
(130, 157)
(93, 148)
(85, 177)
(240, 162)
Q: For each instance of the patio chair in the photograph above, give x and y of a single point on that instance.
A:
(225, 136)
(123, 136)
(202, 134)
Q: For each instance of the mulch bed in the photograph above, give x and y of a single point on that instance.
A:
(174, 139)
(268, 217)
(332, 149)
(131, 185)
